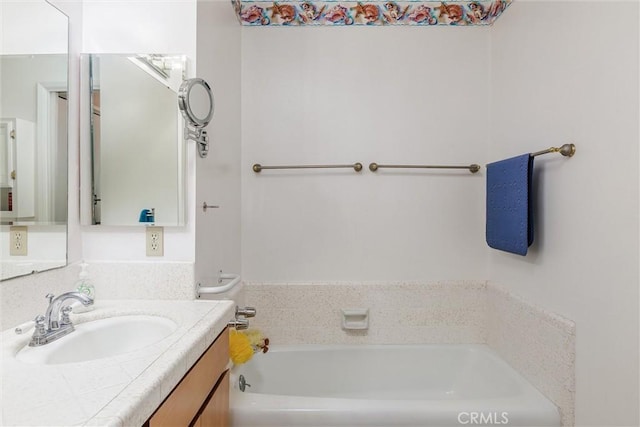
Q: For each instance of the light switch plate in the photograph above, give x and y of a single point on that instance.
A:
(155, 241)
(18, 240)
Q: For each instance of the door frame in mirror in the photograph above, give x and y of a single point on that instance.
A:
(46, 92)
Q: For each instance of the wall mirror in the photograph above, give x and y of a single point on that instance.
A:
(136, 160)
(33, 136)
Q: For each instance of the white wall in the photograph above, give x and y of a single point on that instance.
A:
(151, 26)
(31, 27)
(218, 175)
(141, 26)
(565, 72)
(343, 95)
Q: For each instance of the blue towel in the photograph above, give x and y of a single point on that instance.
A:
(509, 204)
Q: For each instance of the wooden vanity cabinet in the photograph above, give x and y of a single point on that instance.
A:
(201, 398)
(216, 409)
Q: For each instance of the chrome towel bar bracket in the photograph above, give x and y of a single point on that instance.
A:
(567, 150)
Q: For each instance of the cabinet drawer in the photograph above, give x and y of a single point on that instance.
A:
(184, 402)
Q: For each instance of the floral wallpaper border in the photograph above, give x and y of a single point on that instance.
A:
(378, 12)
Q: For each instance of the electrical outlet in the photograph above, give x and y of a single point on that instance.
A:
(18, 241)
(155, 241)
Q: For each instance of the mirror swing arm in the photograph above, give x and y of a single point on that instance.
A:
(194, 125)
(201, 138)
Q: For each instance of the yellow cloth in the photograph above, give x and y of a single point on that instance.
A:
(240, 350)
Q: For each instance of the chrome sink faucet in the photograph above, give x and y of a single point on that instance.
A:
(56, 322)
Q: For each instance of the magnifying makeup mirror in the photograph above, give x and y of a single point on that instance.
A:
(195, 100)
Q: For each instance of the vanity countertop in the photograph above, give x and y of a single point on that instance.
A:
(122, 390)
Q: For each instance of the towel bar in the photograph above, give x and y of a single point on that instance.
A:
(257, 168)
(472, 168)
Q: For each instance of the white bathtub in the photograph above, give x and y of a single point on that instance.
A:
(385, 385)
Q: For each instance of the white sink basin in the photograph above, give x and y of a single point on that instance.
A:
(101, 338)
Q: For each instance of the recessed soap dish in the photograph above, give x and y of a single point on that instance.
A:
(355, 318)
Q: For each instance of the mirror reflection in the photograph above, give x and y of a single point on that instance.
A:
(137, 149)
(33, 137)
(200, 97)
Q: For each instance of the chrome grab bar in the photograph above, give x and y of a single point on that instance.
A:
(235, 279)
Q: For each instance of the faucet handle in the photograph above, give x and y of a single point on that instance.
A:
(39, 327)
(239, 324)
(40, 332)
(245, 311)
(66, 310)
(50, 297)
